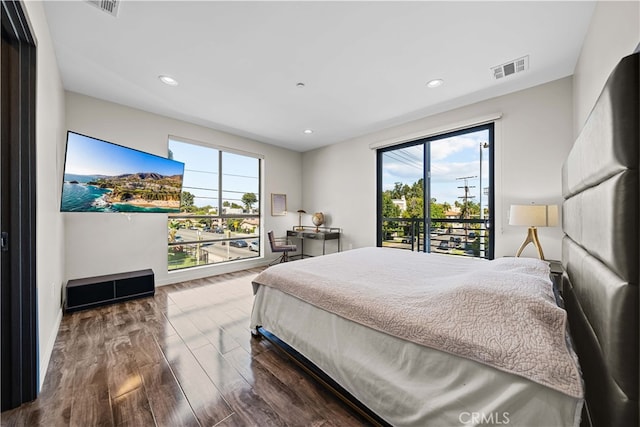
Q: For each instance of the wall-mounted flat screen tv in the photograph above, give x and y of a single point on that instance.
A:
(100, 176)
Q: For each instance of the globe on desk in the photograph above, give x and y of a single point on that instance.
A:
(317, 219)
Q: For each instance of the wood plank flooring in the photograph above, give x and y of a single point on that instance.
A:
(184, 357)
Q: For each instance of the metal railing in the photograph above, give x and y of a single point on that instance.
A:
(453, 236)
(195, 240)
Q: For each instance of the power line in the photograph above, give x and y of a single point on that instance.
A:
(406, 160)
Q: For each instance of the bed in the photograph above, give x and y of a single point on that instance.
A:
(506, 357)
(429, 339)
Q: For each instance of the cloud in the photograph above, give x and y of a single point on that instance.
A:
(403, 165)
(451, 158)
(444, 148)
(451, 171)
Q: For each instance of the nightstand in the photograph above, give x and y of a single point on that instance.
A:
(556, 278)
(556, 271)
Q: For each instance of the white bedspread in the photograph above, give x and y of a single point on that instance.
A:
(501, 313)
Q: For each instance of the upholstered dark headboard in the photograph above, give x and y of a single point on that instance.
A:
(600, 250)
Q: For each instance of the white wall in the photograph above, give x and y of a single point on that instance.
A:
(531, 141)
(99, 243)
(614, 33)
(50, 134)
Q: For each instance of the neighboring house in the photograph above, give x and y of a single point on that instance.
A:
(249, 225)
(452, 214)
(401, 203)
(232, 211)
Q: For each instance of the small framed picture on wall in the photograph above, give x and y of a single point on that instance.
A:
(278, 204)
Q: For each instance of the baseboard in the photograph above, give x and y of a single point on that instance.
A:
(200, 272)
(44, 361)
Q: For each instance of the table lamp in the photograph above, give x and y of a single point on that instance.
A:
(533, 216)
(300, 212)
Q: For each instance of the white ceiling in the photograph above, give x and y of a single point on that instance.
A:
(365, 65)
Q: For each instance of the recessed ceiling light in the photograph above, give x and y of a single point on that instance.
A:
(168, 80)
(308, 131)
(435, 83)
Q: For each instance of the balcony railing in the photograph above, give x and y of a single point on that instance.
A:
(195, 240)
(463, 237)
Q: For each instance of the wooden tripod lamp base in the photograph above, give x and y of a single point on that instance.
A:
(532, 237)
(532, 216)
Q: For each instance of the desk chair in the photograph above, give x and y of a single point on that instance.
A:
(279, 247)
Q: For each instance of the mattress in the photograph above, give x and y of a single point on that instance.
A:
(404, 382)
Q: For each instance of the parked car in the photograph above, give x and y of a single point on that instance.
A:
(253, 246)
(238, 244)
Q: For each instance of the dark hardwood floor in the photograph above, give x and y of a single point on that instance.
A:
(182, 358)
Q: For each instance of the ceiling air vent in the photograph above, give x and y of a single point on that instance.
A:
(109, 6)
(511, 67)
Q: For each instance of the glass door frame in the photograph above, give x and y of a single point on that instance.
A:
(426, 220)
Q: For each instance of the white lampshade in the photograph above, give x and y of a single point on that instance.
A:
(552, 215)
(534, 215)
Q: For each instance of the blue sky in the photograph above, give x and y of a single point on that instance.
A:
(240, 173)
(451, 158)
(89, 156)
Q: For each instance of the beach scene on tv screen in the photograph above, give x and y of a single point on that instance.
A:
(103, 177)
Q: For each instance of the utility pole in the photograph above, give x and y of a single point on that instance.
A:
(465, 204)
(483, 145)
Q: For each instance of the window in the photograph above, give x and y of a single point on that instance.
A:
(220, 210)
(454, 172)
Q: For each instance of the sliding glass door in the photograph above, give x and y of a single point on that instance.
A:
(453, 173)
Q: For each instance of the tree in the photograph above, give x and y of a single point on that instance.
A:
(397, 191)
(437, 209)
(416, 190)
(389, 209)
(249, 199)
(415, 208)
(469, 209)
(186, 200)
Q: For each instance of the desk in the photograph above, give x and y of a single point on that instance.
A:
(310, 233)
